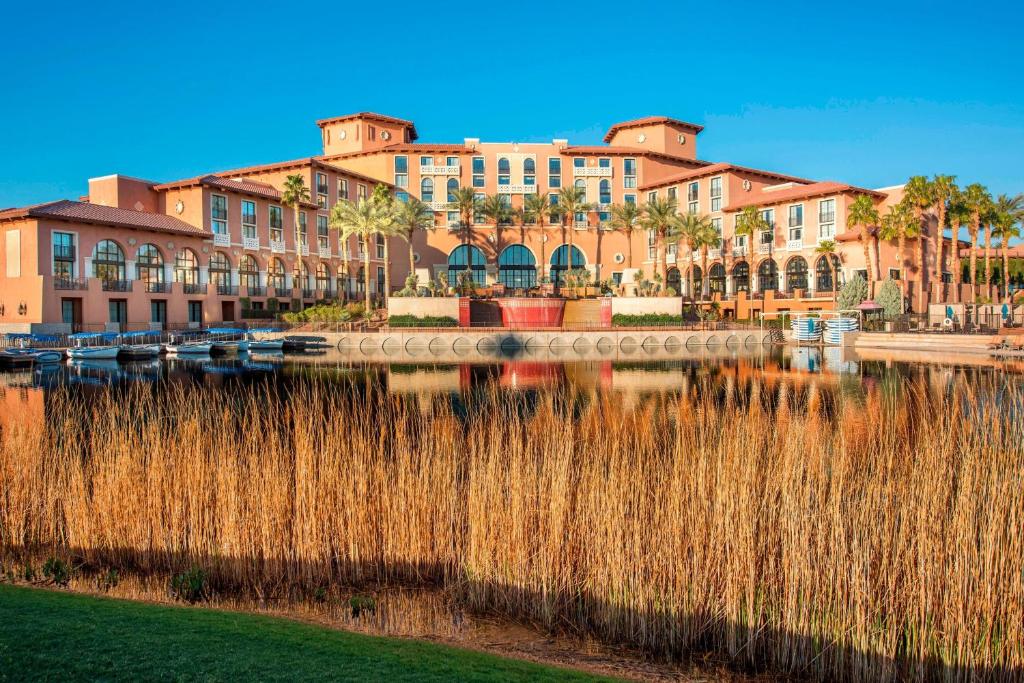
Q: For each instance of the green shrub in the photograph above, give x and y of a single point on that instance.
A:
(362, 603)
(57, 571)
(853, 293)
(890, 298)
(191, 586)
(646, 320)
(424, 321)
(326, 313)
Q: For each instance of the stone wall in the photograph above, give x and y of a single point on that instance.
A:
(423, 306)
(634, 305)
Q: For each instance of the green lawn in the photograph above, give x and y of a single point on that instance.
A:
(50, 635)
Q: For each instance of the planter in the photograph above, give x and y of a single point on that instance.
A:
(523, 312)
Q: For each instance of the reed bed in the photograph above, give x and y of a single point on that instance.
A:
(793, 531)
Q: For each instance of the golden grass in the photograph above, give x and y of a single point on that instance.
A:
(877, 538)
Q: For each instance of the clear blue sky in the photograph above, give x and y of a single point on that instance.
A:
(867, 93)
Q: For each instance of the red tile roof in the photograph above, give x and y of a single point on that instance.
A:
(829, 187)
(711, 169)
(251, 188)
(405, 147)
(83, 212)
(372, 117)
(315, 162)
(649, 121)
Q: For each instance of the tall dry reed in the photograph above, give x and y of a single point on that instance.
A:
(877, 538)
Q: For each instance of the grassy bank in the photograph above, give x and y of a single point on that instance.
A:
(874, 536)
(47, 635)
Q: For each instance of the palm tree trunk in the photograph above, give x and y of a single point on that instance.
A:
(957, 268)
(922, 271)
(988, 264)
(865, 242)
(1006, 268)
(689, 257)
(629, 246)
(901, 245)
(937, 289)
(974, 262)
(346, 265)
(412, 259)
(662, 258)
(366, 275)
(387, 270)
(835, 279)
(543, 251)
(705, 280)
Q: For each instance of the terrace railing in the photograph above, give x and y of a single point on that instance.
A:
(117, 285)
(72, 283)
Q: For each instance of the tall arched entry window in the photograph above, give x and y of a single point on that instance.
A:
(796, 273)
(323, 278)
(186, 267)
(824, 274)
(716, 278)
(453, 185)
(517, 267)
(467, 257)
(149, 266)
(427, 190)
(767, 275)
(674, 281)
(560, 262)
(108, 262)
(275, 274)
(220, 271)
(741, 277)
(248, 272)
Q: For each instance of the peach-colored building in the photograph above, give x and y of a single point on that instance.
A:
(215, 248)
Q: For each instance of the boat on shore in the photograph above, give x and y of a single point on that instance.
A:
(259, 342)
(94, 346)
(304, 343)
(27, 352)
(227, 340)
(140, 350)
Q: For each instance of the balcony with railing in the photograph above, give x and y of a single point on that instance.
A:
(251, 243)
(324, 252)
(794, 244)
(430, 169)
(117, 285)
(221, 239)
(308, 293)
(592, 171)
(71, 283)
(155, 287)
(277, 246)
(304, 250)
(193, 288)
(224, 289)
(256, 291)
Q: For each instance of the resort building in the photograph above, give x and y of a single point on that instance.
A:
(223, 246)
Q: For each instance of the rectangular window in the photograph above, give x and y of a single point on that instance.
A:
(629, 173)
(118, 310)
(426, 161)
(361, 192)
(671, 193)
(401, 171)
(276, 224)
(380, 245)
(478, 172)
(300, 237)
(716, 223)
(453, 218)
(651, 196)
(894, 273)
(477, 218)
(451, 161)
(195, 311)
(693, 197)
(321, 232)
(716, 194)
(342, 188)
(604, 162)
(248, 218)
(796, 222)
(826, 219)
(579, 162)
(63, 255)
(554, 172)
(629, 198)
(652, 244)
(321, 190)
(767, 236)
(218, 216)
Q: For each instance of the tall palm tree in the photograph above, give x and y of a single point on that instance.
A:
(537, 207)
(976, 199)
(703, 236)
(691, 230)
(494, 208)
(661, 218)
(862, 214)
(386, 229)
(466, 203)
(571, 201)
(750, 222)
(944, 189)
(919, 193)
(1007, 213)
(626, 219)
(411, 216)
(294, 195)
(364, 219)
(827, 248)
(898, 225)
(958, 215)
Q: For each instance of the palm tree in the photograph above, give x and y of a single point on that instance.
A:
(958, 215)
(703, 236)
(661, 218)
(919, 193)
(1007, 213)
(571, 201)
(827, 248)
(626, 219)
(494, 208)
(386, 201)
(944, 189)
(363, 219)
(862, 214)
(537, 207)
(692, 230)
(294, 195)
(466, 203)
(976, 199)
(749, 222)
(897, 225)
(411, 216)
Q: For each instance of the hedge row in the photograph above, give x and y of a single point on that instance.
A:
(425, 321)
(645, 320)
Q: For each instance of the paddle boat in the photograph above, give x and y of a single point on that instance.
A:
(187, 344)
(140, 350)
(227, 340)
(304, 343)
(25, 353)
(257, 342)
(94, 346)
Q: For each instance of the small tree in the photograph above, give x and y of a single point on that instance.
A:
(890, 298)
(853, 293)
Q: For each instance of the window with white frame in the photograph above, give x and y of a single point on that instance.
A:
(426, 161)
(451, 161)
(300, 237)
(738, 241)
(504, 171)
(716, 194)
(321, 190)
(380, 245)
(321, 232)
(652, 244)
(477, 216)
(248, 218)
(629, 198)
(826, 219)
(652, 195)
(716, 223)
(554, 172)
(478, 172)
(629, 173)
(767, 236)
(529, 172)
(401, 171)
(276, 221)
(693, 197)
(361, 192)
(219, 214)
(579, 162)
(796, 222)
(604, 162)
(672, 193)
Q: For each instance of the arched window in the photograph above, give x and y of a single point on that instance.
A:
(824, 273)
(220, 269)
(560, 262)
(467, 257)
(427, 189)
(323, 278)
(108, 262)
(275, 275)
(504, 166)
(517, 267)
(149, 265)
(606, 191)
(342, 284)
(698, 281)
(453, 185)
(248, 272)
(301, 275)
(529, 166)
(186, 267)
(716, 278)
(674, 281)
(796, 273)
(767, 275)
(581, 185)
(741, 277)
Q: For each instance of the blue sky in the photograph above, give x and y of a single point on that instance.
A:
(868, 93)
